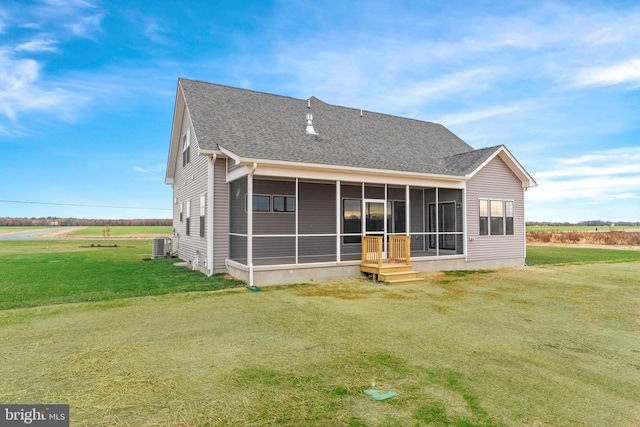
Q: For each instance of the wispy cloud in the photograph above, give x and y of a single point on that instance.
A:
(38, 46)
(591, 178)
(22, 90)
(621, 73)
(151, 169)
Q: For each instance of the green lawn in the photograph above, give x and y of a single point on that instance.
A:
(43, 273)
(564, 255)
(550, 345)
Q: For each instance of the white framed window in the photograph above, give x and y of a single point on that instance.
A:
(186, 148)
(188, 216)
(202, 214)
(495, 217)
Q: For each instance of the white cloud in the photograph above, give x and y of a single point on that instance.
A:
(22, 90)
(38, 46)
(591, 178)
(623, 72)
(152, 169)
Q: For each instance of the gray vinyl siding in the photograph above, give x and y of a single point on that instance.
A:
(237, 208)
(190, 183)
(395, 193)
(317, 206)
(238, 220)
(274, 222)
(220, 215)
(495, 182)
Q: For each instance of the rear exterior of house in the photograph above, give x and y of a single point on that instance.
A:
(273, 189)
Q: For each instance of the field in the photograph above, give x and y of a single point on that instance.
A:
(118, 231)
(555, 344)
(590, 228)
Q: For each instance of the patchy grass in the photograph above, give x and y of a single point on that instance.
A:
(566, 255)
(551, 345)
(43, 273)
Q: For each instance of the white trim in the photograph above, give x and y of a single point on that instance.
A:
(512, 163)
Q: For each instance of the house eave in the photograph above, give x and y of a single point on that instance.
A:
(355, 171)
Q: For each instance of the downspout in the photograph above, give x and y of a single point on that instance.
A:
(250, 223)
(210, 211)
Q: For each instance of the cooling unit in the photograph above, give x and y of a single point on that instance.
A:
(161, 247)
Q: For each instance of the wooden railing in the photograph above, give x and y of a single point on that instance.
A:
(399, 249)
(372, 250)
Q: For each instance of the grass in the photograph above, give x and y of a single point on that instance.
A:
(565, 255)
(43, 273)
(554, 344)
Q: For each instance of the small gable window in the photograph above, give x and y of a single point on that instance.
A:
(186, 148)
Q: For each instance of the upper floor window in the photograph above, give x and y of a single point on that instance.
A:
(495, 217)
(186, 148)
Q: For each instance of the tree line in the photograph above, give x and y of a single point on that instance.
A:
(53, 221)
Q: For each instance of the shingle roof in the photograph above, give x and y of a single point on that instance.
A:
(258, 125)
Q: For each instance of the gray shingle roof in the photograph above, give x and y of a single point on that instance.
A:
(258, 125)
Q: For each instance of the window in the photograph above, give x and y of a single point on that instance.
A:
(484, 217)
(284, 204)
(186, 151)
(351, 220)
(508, 217)
(261, 203)
(188, 214)
(181, 209)
(495, 217)
(202, 215)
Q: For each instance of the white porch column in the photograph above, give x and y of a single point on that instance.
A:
(250, 224)
(338, 221)
(407, 209)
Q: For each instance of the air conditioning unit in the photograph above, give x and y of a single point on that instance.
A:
(161, 247)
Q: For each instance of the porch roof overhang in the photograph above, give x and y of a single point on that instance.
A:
(289, 169)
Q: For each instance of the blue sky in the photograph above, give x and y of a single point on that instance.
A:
(87, 89)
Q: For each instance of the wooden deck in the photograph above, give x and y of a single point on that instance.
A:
(397, 269)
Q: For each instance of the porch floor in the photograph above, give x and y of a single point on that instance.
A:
(391, 272)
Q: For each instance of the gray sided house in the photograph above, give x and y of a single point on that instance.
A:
(272, 189)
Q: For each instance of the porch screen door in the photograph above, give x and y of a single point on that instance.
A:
(375, 220)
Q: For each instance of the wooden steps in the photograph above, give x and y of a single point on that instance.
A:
(391, 272)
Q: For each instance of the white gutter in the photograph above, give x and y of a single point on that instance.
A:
(333, 168)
